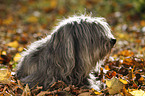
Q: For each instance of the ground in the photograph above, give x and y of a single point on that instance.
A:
(23, 22)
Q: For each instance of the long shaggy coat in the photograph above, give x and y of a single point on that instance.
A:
(68, 54)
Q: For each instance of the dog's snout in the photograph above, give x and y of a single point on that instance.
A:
(113, 41)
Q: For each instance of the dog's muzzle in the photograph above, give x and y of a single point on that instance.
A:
(113, 41)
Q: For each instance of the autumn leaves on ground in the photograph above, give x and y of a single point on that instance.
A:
(23, 22)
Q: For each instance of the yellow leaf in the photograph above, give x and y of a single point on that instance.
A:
(127, 53)
(114, 85)
(13, 44)
(23, 9)
(4, 53)
(20, 49)
(3, 72)
(4, 76)
(8, 21)
(53, 3)
(142, 23)
(123, 81)
(97, 93)
(17, 57)
(141, 79)
(107, 67)
(138, 93)
(125, 92)
(122, 35)
(32, 19)
(93, 89)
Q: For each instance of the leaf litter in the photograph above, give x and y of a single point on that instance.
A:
(125, 67)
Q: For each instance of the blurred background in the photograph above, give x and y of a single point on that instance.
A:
(25, 21)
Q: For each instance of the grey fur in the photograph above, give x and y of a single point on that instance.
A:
(68, 54)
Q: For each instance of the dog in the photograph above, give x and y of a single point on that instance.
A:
(68, 54)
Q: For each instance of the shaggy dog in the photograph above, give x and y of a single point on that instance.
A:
(68, 54)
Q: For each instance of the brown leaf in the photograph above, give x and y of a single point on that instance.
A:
(85, 94)
(110, 74)
(43, 93)
(57, 85)
(26, 91)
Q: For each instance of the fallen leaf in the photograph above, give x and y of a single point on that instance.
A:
(43, 93)
(97, 93)
(125, 92)
(26, 91)
(110, 74)
(114, 85)
(5, 58)
(4, 53)
(126, 53)
(131, 75)
(13, 44)
(141, 79)
(4, 76)
(123, 81)
(20, 49)
(85, 94)
(107, 67)
(138, 93)
(142, 23)
(17, 57)
(1, 60)
(135, 85)
(32, 19)
(53, 3)
(8, 20)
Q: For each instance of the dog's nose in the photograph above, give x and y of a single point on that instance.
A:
(113, 41)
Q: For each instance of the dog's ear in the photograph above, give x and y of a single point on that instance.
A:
(63, 45)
